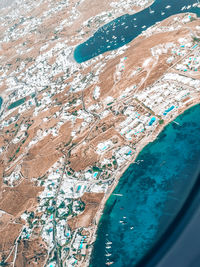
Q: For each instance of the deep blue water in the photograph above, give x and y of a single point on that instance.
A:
(181, 238)
(127, 27)
(153, 192)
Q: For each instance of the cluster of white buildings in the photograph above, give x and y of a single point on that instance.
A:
(190, 64)
(130, 4)
(123, 154)
(71, 188)
(167, 95)
(134, 123)
(195, 83)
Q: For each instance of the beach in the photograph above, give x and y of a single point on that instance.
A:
(120, 173)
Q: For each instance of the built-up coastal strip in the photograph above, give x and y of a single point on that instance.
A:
(149, 195)
(68, 130)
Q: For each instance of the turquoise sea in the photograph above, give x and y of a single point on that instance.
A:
(127, 27)
(153, 192)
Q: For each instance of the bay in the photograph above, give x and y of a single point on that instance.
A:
(124, 29)
(154, 191)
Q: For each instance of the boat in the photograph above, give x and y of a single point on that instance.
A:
(109, 263)
(108, 247)
(162, 163)
(122, 222)
(162, 13)
(176, 123)
(108, 255)
(119, 195)
(138, 162)
(108, 242)
(167, 6)
(151, 11)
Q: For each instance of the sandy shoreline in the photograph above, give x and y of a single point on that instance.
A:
(139, 148)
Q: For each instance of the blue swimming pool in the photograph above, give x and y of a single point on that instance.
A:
(152, 121)
(168, 110)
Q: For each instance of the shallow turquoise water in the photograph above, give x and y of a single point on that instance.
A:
(127, 27)
(153, 193)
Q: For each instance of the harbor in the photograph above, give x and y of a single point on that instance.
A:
(124, 29)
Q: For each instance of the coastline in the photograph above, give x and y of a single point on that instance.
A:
(135, 10)
(120, 172)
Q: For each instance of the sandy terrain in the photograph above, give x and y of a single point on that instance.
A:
(85, 219)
